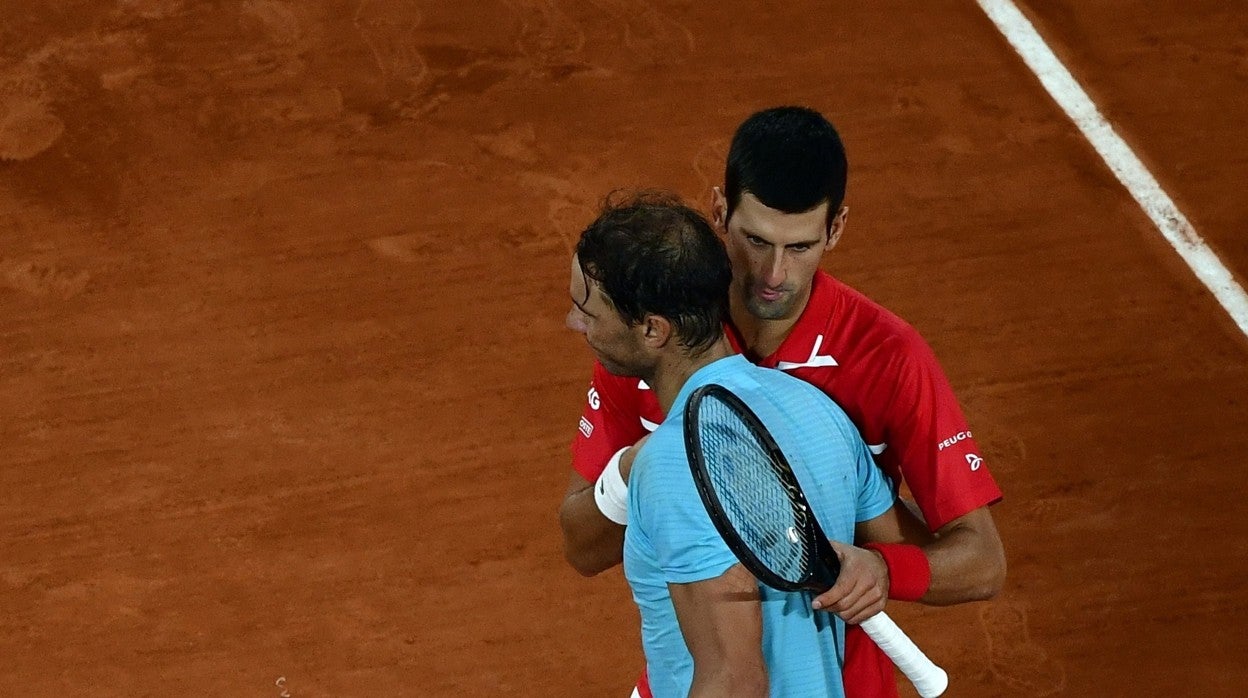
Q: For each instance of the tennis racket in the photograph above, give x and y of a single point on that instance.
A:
(758, 507)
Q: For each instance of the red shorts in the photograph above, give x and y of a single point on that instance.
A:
(868, 671)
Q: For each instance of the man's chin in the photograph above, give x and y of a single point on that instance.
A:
(769, 310)
(616, 369)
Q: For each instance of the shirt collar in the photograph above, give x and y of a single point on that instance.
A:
(709, 373)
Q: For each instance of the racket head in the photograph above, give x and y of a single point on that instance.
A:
(752, 496)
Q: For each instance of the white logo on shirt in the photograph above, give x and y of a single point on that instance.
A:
(586, 427)
(960, 436)
(645, 423)
(594, 401)
(814, 361)
(974, 461)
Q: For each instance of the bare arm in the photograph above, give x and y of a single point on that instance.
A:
(935, 455)
(722, 622)
(592, 543)
(966, 557)
(966, 554)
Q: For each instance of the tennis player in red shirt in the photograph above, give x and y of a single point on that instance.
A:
(779, 211)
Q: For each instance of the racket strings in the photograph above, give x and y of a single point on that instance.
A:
(757, 500)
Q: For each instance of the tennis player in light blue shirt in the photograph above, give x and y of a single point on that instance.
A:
(670, 538)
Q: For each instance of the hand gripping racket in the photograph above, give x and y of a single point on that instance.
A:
(757, 505)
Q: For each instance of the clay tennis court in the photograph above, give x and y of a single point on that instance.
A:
(286, 389)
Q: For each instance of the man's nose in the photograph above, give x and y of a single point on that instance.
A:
(774, 273)
(574, 321)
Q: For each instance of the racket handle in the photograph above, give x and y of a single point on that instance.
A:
(928, 679)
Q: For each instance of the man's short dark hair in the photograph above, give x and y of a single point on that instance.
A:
(790, 158)
(653, 255)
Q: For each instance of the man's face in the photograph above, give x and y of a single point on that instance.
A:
(774, 254)
(619, 348)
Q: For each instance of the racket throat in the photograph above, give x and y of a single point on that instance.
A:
(823, 576)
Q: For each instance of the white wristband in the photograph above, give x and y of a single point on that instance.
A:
(611, 492)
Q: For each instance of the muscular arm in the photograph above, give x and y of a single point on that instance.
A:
(610, 420)
(722, 623)
(592, 543)
(967, 559)
(931, 445)
(966, 554)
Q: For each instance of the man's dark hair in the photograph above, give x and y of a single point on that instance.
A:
(790, 158)
(653, 255)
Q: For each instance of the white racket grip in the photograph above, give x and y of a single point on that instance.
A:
(928, 679)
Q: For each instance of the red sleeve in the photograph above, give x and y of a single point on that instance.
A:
(610, 421)
(932, 444)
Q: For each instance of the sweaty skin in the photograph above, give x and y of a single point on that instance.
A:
(592, 543)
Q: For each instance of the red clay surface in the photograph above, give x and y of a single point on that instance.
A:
(287, 394)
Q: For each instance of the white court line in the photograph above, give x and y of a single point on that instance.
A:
(1173, 225)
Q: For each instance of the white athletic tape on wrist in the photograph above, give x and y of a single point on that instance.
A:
(611, 492)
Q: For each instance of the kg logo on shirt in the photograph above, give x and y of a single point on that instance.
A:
(974, 461)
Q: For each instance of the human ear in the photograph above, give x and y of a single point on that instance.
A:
(719, 208)
(837, 227)
(656, 330)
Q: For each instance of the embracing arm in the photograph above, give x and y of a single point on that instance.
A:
(932, 447)
(966, 556)
(722, 623)
(966, 559)
(592, 543)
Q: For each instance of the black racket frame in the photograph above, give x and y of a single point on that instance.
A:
(824, 564)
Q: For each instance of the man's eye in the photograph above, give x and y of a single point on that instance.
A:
(799, 248)
(757, 242)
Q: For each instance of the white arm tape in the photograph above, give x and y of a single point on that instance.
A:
(611, 492)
